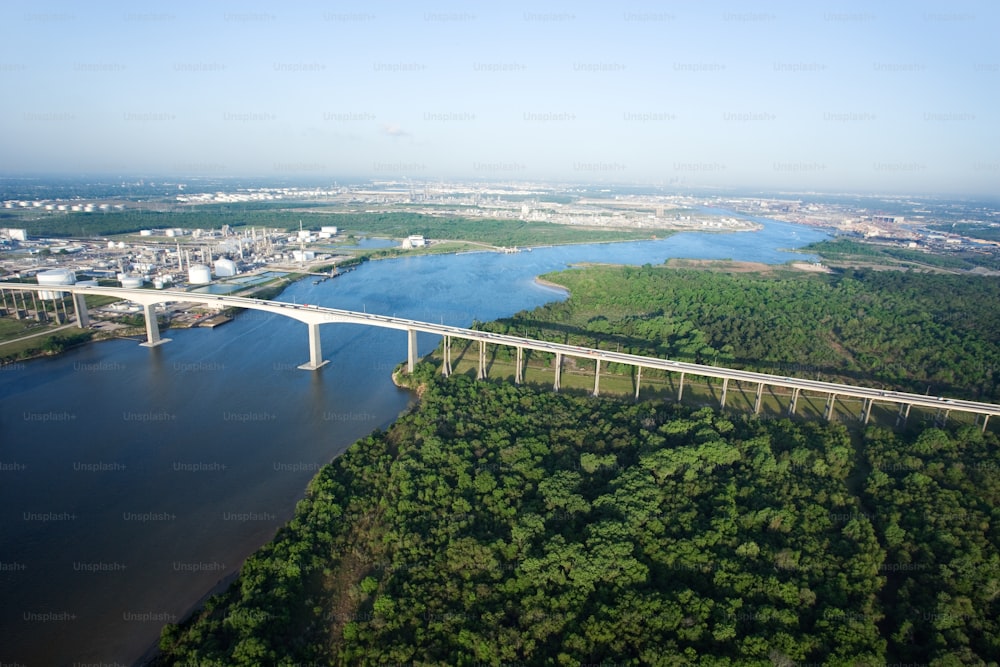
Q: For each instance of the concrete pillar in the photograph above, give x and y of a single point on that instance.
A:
(519, 369)
(795, 400)
(725, 388)
(757, 400)
(830, 401)
(411, 349)
(555, 384)
(638, 379)
(152, 327)
(481, 374)
(986, 420)
(904, 414)
(680, 389)
(866, 412)
(446, 364)
(315, 349)
(597, 378)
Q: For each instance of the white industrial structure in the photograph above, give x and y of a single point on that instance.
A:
(225, 268)
(199, 274)
(55, 277)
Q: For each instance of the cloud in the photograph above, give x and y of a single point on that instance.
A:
(394, 130)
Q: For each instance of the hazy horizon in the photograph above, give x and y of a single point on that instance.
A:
(827, 98)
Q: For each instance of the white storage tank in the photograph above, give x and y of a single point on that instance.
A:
(131, 281)
(55, 277)
(225, 268)
(199, 274)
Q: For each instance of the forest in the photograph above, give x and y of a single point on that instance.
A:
(497, 524)
(907, 331)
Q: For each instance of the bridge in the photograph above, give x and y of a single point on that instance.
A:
(314, 316)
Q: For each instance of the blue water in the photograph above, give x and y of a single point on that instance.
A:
(134, 479)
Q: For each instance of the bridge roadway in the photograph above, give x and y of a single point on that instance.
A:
(313, 316)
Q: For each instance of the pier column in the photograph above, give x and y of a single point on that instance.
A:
(519, 370)
(828, 413)
(597, 378)
(795, 400)
(152, 327)
(986, 420)
(904, 414)
(446, 364)
(411, 349)
(756, 401)
(866, 411)
(555, 384)
(80, 305)
(315, 349)
(638, 379)
(680, 389)
(481, 374)
(725, 388)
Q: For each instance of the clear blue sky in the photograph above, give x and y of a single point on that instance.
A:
(899, 97)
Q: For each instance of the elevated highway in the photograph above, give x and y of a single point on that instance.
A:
(314, 316)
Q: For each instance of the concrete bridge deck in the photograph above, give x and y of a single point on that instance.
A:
(314, 316)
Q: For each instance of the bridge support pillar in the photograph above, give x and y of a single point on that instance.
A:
(481, 373)
(152, 327)
(411, 350)
(725, 388)
(904, 414)
(680, 389)
(558, 362)
(597, 378)
(24, 305)
(519, 368)
(986, 420)
(638, 379)
(866, 411)
(446, 364)
(828, 413)
(757, 399)
(795, 400)
(315, 349)
(80, 305)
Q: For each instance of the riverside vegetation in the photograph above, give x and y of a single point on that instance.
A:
(501, 524)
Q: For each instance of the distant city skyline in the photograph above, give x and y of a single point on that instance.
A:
(824, 97)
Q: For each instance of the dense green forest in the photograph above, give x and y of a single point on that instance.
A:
(498, 524)
(899, 329)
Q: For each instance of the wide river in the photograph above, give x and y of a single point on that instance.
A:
(133, 480)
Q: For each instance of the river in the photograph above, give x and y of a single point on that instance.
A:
(133, 480)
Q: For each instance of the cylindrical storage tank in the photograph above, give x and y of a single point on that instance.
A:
(225, 268)
(55, 277)
(199, 274)
(131, 281)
